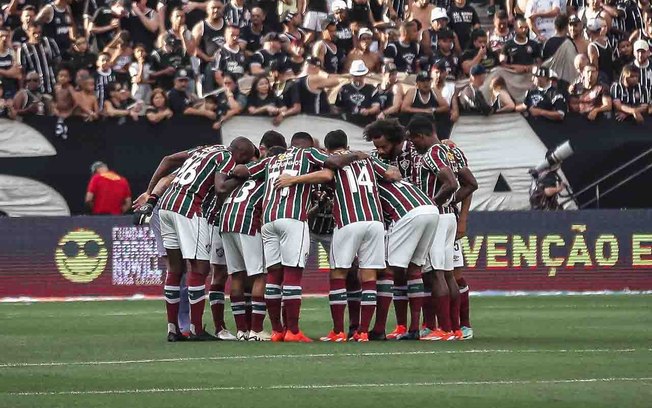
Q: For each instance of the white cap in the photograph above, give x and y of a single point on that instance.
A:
(365, 31)
(641, 45)
(338, 5)
(358, 68)
(595, 24)
(437, 13)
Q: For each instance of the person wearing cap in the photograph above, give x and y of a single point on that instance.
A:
(520, 53)
(438, 25)
(600, 52)
(389, 93)
(167, 60)
(592, 98)
(576, 34)
(354, 99)
(362, 52)
(470, 98)
(272, 51)
(313, 86)
(478, 53)
(544, 100)
(630, 99)
(252, 34)
(343, 31)
(642, 63)
(108, 193)
(540, 15)
(404, 53)
(423, 99)
(501, 32)
(29, 101)
(444, 55)
(230, 57)
(463, 18)
(421, 11)
(179, 97)
(331, 57)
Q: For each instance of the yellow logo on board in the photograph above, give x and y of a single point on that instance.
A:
(81, 256)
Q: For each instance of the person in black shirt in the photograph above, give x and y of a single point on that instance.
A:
(105, 23)
(354, 99)
(520, 53)
(343, 33)
(178, 98)
(269, 7)
(142, 23)
(19, 35)
(40, 54)
(600, 52)
(625, 55)
(630, 99)
(444, 56)
(470, 98)
(463, 19)
(272, 51)
(551, 46)
(312, 88)
(405, 52)
(58, 24)
(252, 34)
(9, 70)
(261, 100)
(294, 46)
(81, 57)
(286, 91)
(237, 13)
(208, 36)
(230, 57)
(331, 57)
(167, 60)
(478, 53)
(544, 100)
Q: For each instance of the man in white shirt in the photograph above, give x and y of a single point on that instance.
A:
(541, 15)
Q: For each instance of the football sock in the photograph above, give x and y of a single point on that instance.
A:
(353, 298)
(455, 313)
(428, 311)
(247, 297)
(337, 301)
(197, 299)
(465, 315)
(292, 296)
(239, 313)
(400, 301)
(171, 291)
(258, 311)
(443, 311)
(415, 297)
(184, 308)
(273, 297)
(216, 299)
(367, 305)
(383, 301)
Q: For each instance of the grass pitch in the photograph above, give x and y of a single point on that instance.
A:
(577, 351)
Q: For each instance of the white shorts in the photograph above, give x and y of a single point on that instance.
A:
(217, 247)
(191, 235)
(409, 239)
(366, 239)
(155, 226)
(286, 241)
(458, 256)
(312, 20)
(243, 253)
(441, 252)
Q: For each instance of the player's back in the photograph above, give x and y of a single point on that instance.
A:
(400, 197)
(240, 211)
(428, 166)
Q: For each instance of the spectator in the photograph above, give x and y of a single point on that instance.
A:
(421, 10)
(287, 91)
(158, 109)
(262, 100)
(343, 32)
(140, 71)
(229, 58)
(58, 24)
(431, 36)
(644, 31)
(180, 31)
(463, 20)
(360, 14)
(231, 102)
(331, 57)
(642, 63)
(591, 98)
(576, 31)
(64, 101)
(108, 193)
(6, 105)
(142, 23)
(593, 10)
(31, 101)
(208, 36)
(236, 13)
(105, 23)
(81, 57)
(544, 100)
(448, 92)
(167, 60)
(540, 15)
(118, 104)
(630, 99)
(362, 52)
(625, 55)
(520, 53)
(404, 52)
(502, 101)
(314, 13)
(121, 56)
(179, 98)
(470, 98)
(478, 53)
(270, 8)
(39, 54)
(252, 34)
(444, 55)
(87, 105)
(423, 98)
(599, 52)
(551, 46)
(104, 77)
(312, 88)
(19, 35)
(354, 99)
(9, 69)
(295, 45)
(271, 51)
(389, 93)
(501, 32)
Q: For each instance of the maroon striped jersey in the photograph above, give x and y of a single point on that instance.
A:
(356, 192)
(289, 202)
(241, 210)
(427, 168)
(399, 198)
(195, 180)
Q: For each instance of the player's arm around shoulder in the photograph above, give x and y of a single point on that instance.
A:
(316, 177)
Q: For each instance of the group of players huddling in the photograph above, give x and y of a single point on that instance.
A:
(251, 213)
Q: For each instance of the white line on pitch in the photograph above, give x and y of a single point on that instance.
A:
(326, 386)
(315, 355)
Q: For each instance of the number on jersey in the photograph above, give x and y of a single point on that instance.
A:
(363, 180)
(188, 173)
(243, 193)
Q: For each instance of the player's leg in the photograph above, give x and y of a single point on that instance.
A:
(252, 251)
(337, 302)
(235, 267)
(184, 305)
(400, 298)
(384, 285)
(219, 277)
(274, 282)
(353, 297)
(464, 314)
(428, 308)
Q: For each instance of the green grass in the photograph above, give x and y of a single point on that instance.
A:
(524, 348)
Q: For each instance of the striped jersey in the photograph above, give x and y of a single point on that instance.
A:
(459, 159)
(241, 210)
(400, 197)
(195, 180)
(289, 202)
(404, 161)
(427, 168)
(356, 192)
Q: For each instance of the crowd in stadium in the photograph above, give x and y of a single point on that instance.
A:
(96, 58)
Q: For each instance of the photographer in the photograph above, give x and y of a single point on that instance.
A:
(545, 190)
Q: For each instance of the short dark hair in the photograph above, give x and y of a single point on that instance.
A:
(390, 128)
(561, 22)
(275, 150)
(302, 136)
(420, 125)
(336, 139)
(477, 33)
(273, 138)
